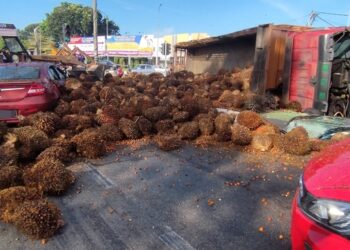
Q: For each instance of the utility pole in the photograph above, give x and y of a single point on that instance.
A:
(312, 17)
(94, 17)
(157, 48)
(40, 43)
(165, 58)
(37, 47)
(106, 37)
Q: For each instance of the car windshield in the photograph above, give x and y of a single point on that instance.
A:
(19, 73)
(13, 44)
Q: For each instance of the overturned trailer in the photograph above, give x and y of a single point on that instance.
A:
(298, 63)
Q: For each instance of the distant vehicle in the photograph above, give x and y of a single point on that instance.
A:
(113, 70)
(27, 88)
(107, 63)
(162, 70)
(147, 69)
(11, 50)
(321, 206)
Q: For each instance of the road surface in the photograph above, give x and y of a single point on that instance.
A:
(192, 198)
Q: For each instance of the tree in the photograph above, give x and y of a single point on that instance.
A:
(79, 18)
(28, 31)
(28, 39)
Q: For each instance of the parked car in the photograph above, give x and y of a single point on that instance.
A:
(107, 63)
(147, 69)
(321, 206)
(114, 70)
(322, 127)
(26, 88)
(162, 70)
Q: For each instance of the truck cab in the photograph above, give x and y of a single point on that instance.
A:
(11, 48)
(318, 70)
(338, 98)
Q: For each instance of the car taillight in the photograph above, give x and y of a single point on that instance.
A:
(36, 89)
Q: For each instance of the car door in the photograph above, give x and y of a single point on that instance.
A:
(142, 69)
(149, 69)
(61, 76)
(56, 81)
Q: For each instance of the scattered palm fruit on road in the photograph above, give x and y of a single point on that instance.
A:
(93, 116)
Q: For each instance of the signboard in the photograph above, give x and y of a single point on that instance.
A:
(135, 46)
(131, 45)
(86, 44)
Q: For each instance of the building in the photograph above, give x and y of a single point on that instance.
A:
(133, 46)
(173, 40)
(262, 47)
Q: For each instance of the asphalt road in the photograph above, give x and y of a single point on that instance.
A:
(193, 198)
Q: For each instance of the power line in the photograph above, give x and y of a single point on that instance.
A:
(333, 14)
(325, 21)
(316, 14)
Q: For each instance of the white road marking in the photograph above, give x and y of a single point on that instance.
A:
(174, 241)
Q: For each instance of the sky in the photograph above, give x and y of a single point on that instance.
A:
(215, 17)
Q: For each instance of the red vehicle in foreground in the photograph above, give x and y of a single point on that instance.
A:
(26, 88)
(321, 206)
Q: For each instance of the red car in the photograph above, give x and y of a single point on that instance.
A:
(26, 88)
(321, 206)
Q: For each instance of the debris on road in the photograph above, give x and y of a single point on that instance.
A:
(241, 135)
(38, 219)
(168, 142)
(211, 202)
(92, 118)
(262, 142)
(49, 175)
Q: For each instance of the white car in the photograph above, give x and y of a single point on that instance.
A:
(113, 70)
(147, 69)
(161, 70)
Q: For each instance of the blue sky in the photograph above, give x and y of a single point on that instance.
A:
(178, 16)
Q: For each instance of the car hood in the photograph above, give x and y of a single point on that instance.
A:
(328, 174)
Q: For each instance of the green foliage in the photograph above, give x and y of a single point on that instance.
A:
(27, 37)
(27, 32)
(2, 43)
(121, 61)
(79, 18)
(135, 62)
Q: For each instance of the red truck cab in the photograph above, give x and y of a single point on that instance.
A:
(318, 67)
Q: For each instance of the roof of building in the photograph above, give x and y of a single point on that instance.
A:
(235, 35)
